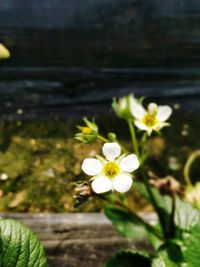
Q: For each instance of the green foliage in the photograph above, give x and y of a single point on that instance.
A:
(164, 204)
(128, 258)
(169, 255)
(19, 247)
(88, 133)
(191, 246)
(175, 237)
(186, 216)
(125, 223)
(180, 251)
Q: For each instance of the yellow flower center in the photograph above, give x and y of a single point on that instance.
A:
(111, 169)
(150, 120)
(86, 130)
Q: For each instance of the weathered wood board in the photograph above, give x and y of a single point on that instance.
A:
(101, 33)
(77, 240)
(43, 93)
(71, 57)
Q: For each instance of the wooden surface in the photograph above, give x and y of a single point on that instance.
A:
(101, 33)
(77, 240)
(51, 93)
(69, 58)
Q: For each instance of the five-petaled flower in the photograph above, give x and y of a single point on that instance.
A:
(112, 172)
(152, 119)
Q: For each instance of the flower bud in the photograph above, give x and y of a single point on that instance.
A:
(122, 107)
(81, 193)
(112, 137)
(88, 133)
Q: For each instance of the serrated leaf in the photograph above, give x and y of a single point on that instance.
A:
(191, 246)
(19, 247)
(186, 216)
(128, 258)
(158, 262)
(125, 223)
(169, 255)
(154, 240)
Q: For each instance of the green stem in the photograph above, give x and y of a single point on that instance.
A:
(187, 167)
(148, 226)
(100, 137)
(172, 215)
(133, 138)
(144, 176)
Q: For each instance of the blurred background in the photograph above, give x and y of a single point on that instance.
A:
(68, 60)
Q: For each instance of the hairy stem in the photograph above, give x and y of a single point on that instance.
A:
(100, 137)
(144, 176)
(133, 138)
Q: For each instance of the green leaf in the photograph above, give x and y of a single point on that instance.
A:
(19, 247)
(158, 262)
(191, 246)
(186, 216)
(125, 223)
(169, 255)
(154, 240)
(128, 258)
(164, 203)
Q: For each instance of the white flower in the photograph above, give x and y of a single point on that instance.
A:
(152, 119)
(111, 172)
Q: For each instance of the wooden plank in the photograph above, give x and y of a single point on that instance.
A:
(31, 93)
(101, 33)
(72, 240)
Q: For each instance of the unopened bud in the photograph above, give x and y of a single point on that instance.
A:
(122, 107)
(82, 193)
(112, 137)
(88, 133)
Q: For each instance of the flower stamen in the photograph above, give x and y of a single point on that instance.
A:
(86, 130)
(150, 120)
(111, 169)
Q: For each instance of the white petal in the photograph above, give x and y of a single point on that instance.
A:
(164, 112)
(141, 125)
(160, 125)
(137, 109)
(152, 108)
(150, 130)
(122, 183)
(129, 163)
(92, 166)
(101, 184)
(111, 150)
